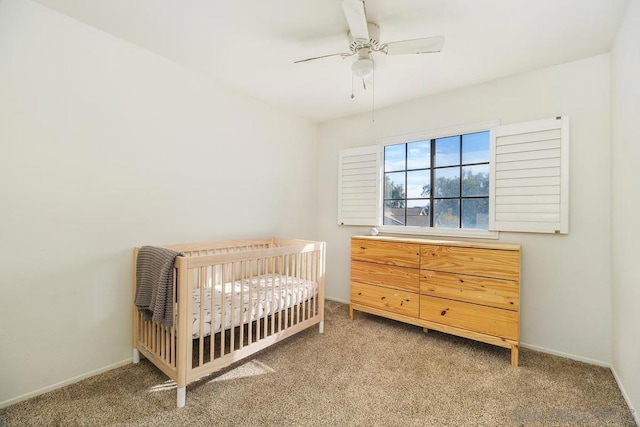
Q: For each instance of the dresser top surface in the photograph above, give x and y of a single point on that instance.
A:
(459, 243)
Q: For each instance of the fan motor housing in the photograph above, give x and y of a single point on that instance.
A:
(373, 44)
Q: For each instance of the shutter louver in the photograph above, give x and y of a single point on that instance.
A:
(530, 177)
(359, 186)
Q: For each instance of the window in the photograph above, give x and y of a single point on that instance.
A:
(470, 181)
(440, 182)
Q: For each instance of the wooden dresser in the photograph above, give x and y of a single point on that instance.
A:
(461, 288)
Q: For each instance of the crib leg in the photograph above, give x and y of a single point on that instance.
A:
(182, 397)
(136, 356)
(321, 327)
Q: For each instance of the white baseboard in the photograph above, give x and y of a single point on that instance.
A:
(63, 383)
(635, 414)
(337, 300)
(566, 355)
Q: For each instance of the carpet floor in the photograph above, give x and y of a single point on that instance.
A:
(366, 372)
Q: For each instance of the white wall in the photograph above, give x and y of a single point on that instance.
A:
(625, 105)
(105, 146)
(566, 289)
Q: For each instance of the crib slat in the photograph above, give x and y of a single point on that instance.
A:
(252, 313)
(154, 328)
(313, 285)
(243, 303)
(281, 294)
(285, 267)
(267, 305)
(157, 335)
(233, 308)
(164, 343)
(223, 298)
(298, 276)
(308, 279)
(262, 322)
(174, 340)
(272, 308)
(215, 276)
(147, 333)
(202, 273)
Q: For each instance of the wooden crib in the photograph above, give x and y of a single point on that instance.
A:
(232, 299)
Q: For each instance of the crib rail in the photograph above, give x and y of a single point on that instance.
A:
(213, 248)
(251, 294)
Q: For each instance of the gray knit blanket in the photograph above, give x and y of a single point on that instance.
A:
(154, 283)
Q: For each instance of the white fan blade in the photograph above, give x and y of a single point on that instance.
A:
(427, 45)
(356, 18)
(343, 55)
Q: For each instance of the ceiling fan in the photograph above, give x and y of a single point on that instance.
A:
(364, 40)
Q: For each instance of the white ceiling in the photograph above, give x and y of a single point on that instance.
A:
(251, 44)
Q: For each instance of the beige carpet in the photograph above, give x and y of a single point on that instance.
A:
(369, 372)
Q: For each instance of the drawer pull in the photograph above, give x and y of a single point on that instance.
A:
(359, 293)
(461, 281)
(443, 312)
(363, 248)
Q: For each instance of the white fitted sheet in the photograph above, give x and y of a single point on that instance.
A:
(249, 300)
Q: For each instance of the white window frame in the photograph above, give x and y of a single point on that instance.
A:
(435, 134)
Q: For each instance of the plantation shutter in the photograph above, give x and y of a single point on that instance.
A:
(359, 186)
(530, 177)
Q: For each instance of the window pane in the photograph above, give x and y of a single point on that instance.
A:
(419, 155)
(447, 213)
(394, 212)
(458, 195)
(394, 185)
(447, 182)
(475, 213)
(448, 151)
(418, 212)
(475, 180)
(418, 184)
(394, 157)
(475, 147)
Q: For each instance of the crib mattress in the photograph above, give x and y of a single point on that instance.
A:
(262, 295)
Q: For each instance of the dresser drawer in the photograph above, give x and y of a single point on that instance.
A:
(389, 276)
(473, 317)
(496, 263)
(479, 290)
(400, 254)
(400, 302)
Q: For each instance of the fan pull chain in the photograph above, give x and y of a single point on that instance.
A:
(373, 96)
(352, 95)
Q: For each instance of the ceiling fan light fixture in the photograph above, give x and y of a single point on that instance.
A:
(362, 68)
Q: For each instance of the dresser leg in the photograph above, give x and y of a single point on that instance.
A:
(350, 312)
(425, 330)
(514, 355)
